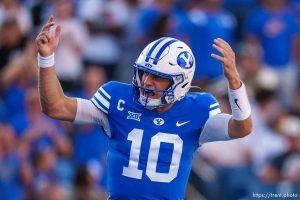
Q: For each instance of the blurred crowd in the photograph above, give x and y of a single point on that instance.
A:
(41, 158)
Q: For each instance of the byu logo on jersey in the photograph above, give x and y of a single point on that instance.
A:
(134, 116)
(185, 60)
(158, 121)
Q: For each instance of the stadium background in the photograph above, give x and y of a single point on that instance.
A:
(42, 158)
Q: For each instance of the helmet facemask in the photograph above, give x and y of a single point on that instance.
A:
(142, 93)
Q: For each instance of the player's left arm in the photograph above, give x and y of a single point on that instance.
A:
(240, 123)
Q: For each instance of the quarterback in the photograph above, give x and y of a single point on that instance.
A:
(154, 125)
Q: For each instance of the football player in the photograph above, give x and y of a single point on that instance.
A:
(154, 125)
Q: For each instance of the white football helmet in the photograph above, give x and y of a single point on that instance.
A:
(167, 58)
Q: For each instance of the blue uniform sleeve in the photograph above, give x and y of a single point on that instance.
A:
(205, 104)
(216, 125)
(213, 105)
(103, 96)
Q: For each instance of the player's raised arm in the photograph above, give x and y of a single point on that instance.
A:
(240, 124)
(54, 103)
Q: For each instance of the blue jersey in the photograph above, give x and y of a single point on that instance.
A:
(209, 25)
(150, 154)
(276, 31)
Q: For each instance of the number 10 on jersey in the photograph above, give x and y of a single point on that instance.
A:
(136, 136)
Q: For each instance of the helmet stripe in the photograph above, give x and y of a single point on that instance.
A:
(153, 47)
(162, 50)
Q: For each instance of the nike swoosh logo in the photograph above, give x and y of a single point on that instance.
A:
(180, 124)
(236, 102)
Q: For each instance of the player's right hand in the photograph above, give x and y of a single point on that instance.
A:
(46, 43)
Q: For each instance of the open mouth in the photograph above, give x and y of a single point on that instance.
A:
(149, 93)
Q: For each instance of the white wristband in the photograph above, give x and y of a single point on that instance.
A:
(239, 103)
(45, 62)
